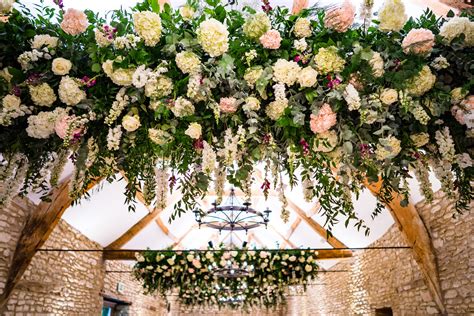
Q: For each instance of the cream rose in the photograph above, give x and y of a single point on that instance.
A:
(61, 66)
(389, 96)
(131, 122)
(307, 77)
(194, 130)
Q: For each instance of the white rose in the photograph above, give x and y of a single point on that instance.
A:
(308, 268)
(388, 96)
(187, 12)
(61, 66)
(131, 122)
(194, 130)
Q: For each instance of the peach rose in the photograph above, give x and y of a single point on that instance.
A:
(325, 119)
(271, 39)
(228, 105)
(340, 19)
(75, 22)
(418, 41)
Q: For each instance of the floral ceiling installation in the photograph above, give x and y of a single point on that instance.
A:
(194, 98)
(252, 278)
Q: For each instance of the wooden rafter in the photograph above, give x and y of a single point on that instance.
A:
(320, 230)
(322, 254)
(38, 227)
(180, 239)
(285, 240)
(290, 232)
(417, 236)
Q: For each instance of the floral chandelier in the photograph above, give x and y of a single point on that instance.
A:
(232, 215)
(193, 274)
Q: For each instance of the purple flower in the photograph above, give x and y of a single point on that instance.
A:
(59, 3)
(305, 146)
(16, 91)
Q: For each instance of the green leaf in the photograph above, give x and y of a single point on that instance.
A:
(96, 68)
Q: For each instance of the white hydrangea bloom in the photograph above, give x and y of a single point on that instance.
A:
(70, 92)
(351, 95)
(148, 27)
(286, 72)
(42, 125)
(212, 35)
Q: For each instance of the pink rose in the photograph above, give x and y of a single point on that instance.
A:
(340, 19)
(325, 119)
(197, 263)
(464, 112)
(75, 22)
(418, 41)
(226, 255)
(271, 39)
(62, 127)
(228, 105)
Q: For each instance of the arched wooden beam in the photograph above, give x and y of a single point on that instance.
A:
(417, 236)
(39, 225)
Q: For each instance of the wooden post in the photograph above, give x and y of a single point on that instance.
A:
(417, 236)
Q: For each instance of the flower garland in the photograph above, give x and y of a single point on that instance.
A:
(217, 93)
(195, 274)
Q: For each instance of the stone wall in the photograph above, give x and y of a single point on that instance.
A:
(65, 283)
(391, 278)
(55, 283)
(141, 305)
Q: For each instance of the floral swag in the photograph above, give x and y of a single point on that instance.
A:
(193, 98)
(261, 277)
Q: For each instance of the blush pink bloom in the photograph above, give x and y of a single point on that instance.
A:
(271, 39)
(325, 119)
(228, 105)
(418, 41)
(62, 126)
(197, 263)
(75, 22)
(340, 19)
(465, 107)
(299, 5)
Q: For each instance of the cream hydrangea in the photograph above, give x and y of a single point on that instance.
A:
(102, 39)
(188, 62)
(286, 72)
(351, 95)
(123, 77)
(388, 96)
(420, 139)
(302, 28)
(392, 16)
(61, 66)
(212, 35)
(182, 107)
(300, 45)
(6, 6)
(325, 142)
(276, 109)
(328, 60)
(131, 122)
(42, 125)
(44, 40)
(251, 104)
(256, 25)
(457, 26)
(307, 77)
(148, 26)
(70, 92)
(421, 83)
(377, 65)
(252, 75)
(159, 137)
(42, 94)
(388, 148)
(194, 130)
(158, 87)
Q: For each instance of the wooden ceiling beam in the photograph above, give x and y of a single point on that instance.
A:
(320, 230)
(416, 235)
(39, 225)
(324, 254)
